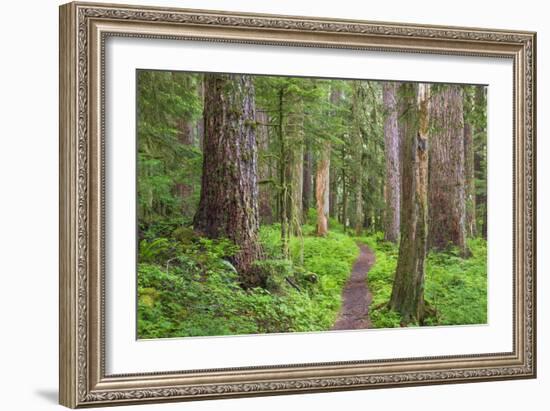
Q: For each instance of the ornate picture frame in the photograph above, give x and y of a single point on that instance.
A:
(84, 29)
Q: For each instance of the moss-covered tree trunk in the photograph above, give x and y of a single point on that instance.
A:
(228, 204)
(447, 182)
(284, 184)
(392, 192)
(407, 296)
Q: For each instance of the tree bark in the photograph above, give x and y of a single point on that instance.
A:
(322, 189)
(344, 180)
(447, 182)
(322, 176)
(392, 191)
(264, 168)
(307, 190)
(294, 164)
(407, 296)
(284, 191)
(228, 206)
(333, 195)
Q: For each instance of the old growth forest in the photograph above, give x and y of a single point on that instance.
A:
(282, 204)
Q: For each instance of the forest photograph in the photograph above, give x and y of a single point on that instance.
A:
(278, 204)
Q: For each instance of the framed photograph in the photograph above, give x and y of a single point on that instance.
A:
(260, 204)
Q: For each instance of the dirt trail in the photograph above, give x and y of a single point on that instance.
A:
(356, 296)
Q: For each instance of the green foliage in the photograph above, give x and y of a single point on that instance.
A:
(455, 288)
(475, 113)
(187, 285)
(275, 274)
(187, 290)
(150, 251)
(168, 102)
(192, 290)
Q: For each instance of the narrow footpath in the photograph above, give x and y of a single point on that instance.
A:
(356, 296)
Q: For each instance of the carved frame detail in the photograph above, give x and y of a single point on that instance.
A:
(83, 30)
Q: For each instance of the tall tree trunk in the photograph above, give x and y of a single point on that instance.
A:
(284, 192)
(470, 182)
(345, 192)
(344, 187)
(336, 96)
(294, 164)
(333, 195)
(307, 185)
(322, 177)
(228, 204)
(357, 157)
(480, 161)
(187, 131)
(322, 180)
(200, 123)
(264, 168)
(407, 296)
(447, 182)
(185, 135)
(393, 174)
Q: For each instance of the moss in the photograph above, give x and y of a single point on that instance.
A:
(148, 296)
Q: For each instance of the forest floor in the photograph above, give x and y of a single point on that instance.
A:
(356, 296)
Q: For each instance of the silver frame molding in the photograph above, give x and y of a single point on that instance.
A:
(84, 27)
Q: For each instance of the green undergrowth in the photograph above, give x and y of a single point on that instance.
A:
(455, 288)
(186, 286)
